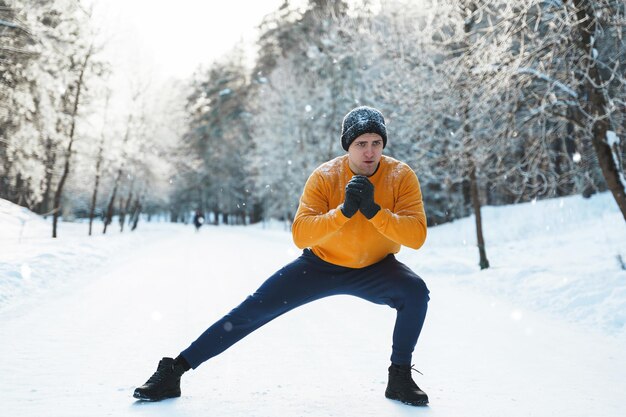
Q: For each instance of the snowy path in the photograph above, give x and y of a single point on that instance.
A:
(81, 353)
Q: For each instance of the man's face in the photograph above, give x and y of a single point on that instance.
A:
(364, 153)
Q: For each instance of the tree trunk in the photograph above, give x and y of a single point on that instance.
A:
(596, 105)
(121, 213)
(471, 162)
(49, 159)
(124, 208)
(482, 252)
(136, 213)
(108, 217)
(94, 196)
(68, 152)
(49, 166)
(92, 208)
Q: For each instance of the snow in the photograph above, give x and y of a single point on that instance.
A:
(31, 263)
(83, 320)
(613, 141)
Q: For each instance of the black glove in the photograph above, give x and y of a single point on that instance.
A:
(368, 206)
(352, 200)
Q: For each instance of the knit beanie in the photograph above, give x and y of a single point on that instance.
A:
(359, 121)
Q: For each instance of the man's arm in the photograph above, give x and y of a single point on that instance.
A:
(406, 225)
(315, 220)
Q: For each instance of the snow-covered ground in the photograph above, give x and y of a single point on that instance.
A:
(83, 320)
(32, 263)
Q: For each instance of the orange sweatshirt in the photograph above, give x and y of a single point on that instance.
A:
(357, 242)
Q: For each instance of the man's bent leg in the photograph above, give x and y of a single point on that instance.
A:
(411, 305)
(393, 283)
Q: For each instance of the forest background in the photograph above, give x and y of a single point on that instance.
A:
(491, 102)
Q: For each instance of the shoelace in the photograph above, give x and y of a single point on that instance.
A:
(406, 376)
(158, 375)
(413, 368)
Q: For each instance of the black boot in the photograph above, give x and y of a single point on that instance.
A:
(164, 383)
(401, 386)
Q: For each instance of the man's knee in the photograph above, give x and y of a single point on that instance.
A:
(412, 291)
(416, 290)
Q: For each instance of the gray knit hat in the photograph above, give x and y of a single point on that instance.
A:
(359, 121)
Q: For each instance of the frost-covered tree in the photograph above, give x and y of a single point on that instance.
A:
(598, 29)
(45, 102)
(18, 49)
(220, 137)
(564, 79)
(287, 147)
(72, 102)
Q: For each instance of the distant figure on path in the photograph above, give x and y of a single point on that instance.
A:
(198, 219)
(354, 214)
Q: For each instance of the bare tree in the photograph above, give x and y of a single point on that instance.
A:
(108, 215)
(126, 206)
(99, 160)
(78, 87)
(468, 10)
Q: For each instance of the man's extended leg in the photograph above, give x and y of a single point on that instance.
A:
(299, 282)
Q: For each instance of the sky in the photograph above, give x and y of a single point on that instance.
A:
(84, 320)
(171, 39)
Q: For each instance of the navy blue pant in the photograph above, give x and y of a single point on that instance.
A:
(310, 278)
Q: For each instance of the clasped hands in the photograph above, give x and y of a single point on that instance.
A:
(360, 196)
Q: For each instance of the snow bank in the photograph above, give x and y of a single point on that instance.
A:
(560, 255)
(32, 263)
(18, 222)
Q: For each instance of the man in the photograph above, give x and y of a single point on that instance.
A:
(198, 219)
(355, 213)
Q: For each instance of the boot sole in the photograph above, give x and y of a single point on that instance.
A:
(395, 396)
(164, 396)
